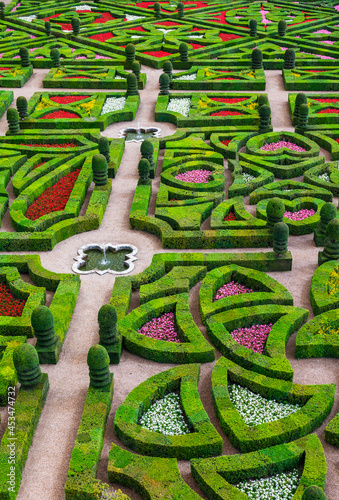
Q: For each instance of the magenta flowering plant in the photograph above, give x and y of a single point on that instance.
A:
(302, 214)
(231, 288)
(197, 176)
(253, 337)
(273, 146)
(161, 328)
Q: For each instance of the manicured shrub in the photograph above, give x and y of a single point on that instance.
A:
(24, 56)
(98, 364)
(26, 362)
(164, 83)
(48, 28)
(256, 58)
(180, 10)
(157, 10)
(264, 118)
(100, 170)
(55, 56)
(183, 49)
(303, 116)
(327, 212)
(104, 148)
(147, 150)
(280, 238)
(289, 59)
(13, 120)
(167, 68)
(313, 493)
(331, 245)
(262, 100)
(43, 325)
(130, 54)
(275, 210)
(282, 25)
(132, 85)
(107, 318)
(253, 27)
(143, 169)
(299, 100)
(21, 104)
(75, 25)
(135, 67)
(2, 10)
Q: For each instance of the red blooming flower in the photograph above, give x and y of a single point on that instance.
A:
(9, 305)
(39, 165)
(225, 37)
(230, 216)
(329, 110)
(105, 16)
(66, 99)
(327, 100)
(229, 100)
(226, 142)
(226, 113)
(158, 53)
(196, 46)
(59, 114)
(102, 37)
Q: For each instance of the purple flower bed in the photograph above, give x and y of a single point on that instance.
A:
(253, 337)
(300, 214)
(197, 176)
(231, 288)
(162, 328)
(273, 146)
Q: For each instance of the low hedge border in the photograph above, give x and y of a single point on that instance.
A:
(203, 439)
(81, 481)
(320, 298)
(254, 144)
(317, 401)
(8, 376)
(266, 290)
(243, 218)
(150, 476)
(65, 287)
(297, 227)
(6, 98)
(314, 117)
(16, 76)
(315, 341)
(242, 187)
(28, 406)
(237, 141)
(217, 476)
(289, 190)
(331, 169)
(193, 347)
(326, 139)
(332, 431)
(302, 79)
(283, 166)
(272, 362)
(210, 78)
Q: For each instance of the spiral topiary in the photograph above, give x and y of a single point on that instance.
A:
(13, 120)
(280, 238)
(164, 84)
(99, 168)
(75, 25)
(327, 212)
(299, 100)
(24, 56)
(303, 116)
(132, 85)
(2, 10)
(103, 147)
(167, 68)
(147, 150)
(135, 67)
(313, 493)
(48, 28)
(55, 56)
(26, 362)
(157, 10)
(183, 49)
(98, 364)
(130, 55)
(22, 105)
(289, 59)
(256, 58)
(43, 325)
(253, 27)
(264, 118)
(107, 318)
(331, 245)
(282, 26)
(275, 210)
(181, 10)
(143, 169)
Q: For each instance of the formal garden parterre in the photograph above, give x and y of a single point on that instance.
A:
(228, 179)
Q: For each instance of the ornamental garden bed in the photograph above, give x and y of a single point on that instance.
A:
(323, 108)
(14, 76)
(219, 78)
(307, 78)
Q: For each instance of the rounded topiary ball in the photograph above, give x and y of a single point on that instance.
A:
(107, 316)
(275, 210)
(146, 148)
(42, 318)
(262, 100)
(332, 230)
(328, 211)
(167, 68)
(313, 493)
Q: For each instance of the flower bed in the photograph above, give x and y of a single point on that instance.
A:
(253, 337)
(231, 288)
(54, 198)
(47, 145)
(230, 217)
(59, 114)
(9, 305)
(280, 486)
(198, 176)
(180, 105)
(165, 416)
(113, 104)
(67, 99)
(300, 214)
(226, 113)
(273, 146)
(255, 409)
(161, 328)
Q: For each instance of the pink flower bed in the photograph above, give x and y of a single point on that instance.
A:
(198, 176)
(253, 337)
(231, 288)
(273, 146)
(300, 214)
(162, 328)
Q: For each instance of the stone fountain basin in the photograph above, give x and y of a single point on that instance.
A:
(133, 134)
(85, 256)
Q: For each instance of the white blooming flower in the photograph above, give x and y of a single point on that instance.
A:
(165, 416)
(113, 104)
(83, 7)
(280, 486)
(324, 177)
(248, 178)
(193, 76)
(164, 30)
(180, 105)
(28, 19)
(129, 17)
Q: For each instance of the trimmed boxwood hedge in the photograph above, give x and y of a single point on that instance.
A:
(283, 166)
(243, 218)
(316, 400)
(332, 431)
(8, 375)
(202, 441)
(319, 337)
(217, 476)
(321, 299)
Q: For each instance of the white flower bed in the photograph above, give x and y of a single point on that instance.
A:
(129, 17)
(193, 76)
(280, 486)
(180, 105)
(255, 409)
(28, 19)
(113, 104)
(164, 30)
(83, 7)
(196, 36)
(324, 177)
(165, 416)
(248, 178)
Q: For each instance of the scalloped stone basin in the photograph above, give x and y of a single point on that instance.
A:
(139, 134)
(102, 259)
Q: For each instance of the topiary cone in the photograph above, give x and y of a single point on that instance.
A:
(282, 26)
(100, 170)
(132, 85)
(253, 27)
(275, 210)
(164, 84)
(75, 25)
(280, 238)
(183, 49)
(24, 56)
(43, 325)
(26, 362)
(13, 120)
(264, 118)
(135, 67)
(22, 105)
(299, 100)
(256, 58)
(167, 68)
(48, 28)
(130, 54)
(55, 56)
(289, 59)
(98, 364)
(143, 169)
(107, 318)
(103, 147)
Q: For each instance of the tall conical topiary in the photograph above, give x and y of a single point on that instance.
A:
(48, 28)
(164, 84)
(55, 56)
(132, 85)
(135, 67)
(98, 364)
(157, 10)
(130, 55)
(107, 318)
(75, 25)
(327, 212)
(299, 100)
(313, 493)
(282, 26)
(181, 8)
(42, 321)
(143, 169)
(280, 238)
(303, 117)
(100, 169)
(331, 244)
(167, 68)
(147, 150)
(289, 59)
(103, 147)
(275, 210)
(256, 58)
(22, 105)
(264, 118)
(2, 10)
(262, 99)
(253, 27)
(24, 56)
(13, 120)
(26, 362)
(183, 49)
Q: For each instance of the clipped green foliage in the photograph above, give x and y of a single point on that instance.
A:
(55, 56)
(98, 364)
(24, 56)
(256, 59)
(327, 212)
(26, 362)
(282, 27)
(21, 104)
(164, 83)
(13, 120)
(289, 59)
(253, 24)
(280, 238)
(319, 337)
(275, 210)
(314, 493)
(183, 49)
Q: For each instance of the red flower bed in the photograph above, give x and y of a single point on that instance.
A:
(230, 216)
(105, 16)
(158, 53)
(229, 100)
(39, 165)
(54, 198)
(62, 146)
(226, 78)
(315, 71)
(102, 37)
(167, 23)
(78, 76)
(9, 305)
(137, 28)
(59, 114)
(66, 27)
(51, 17)
(2, 69)
(67, 99)
(327, 100)
(329, 110)
(196, 46)
(226, 113)
(226, 142)
(225, 37)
